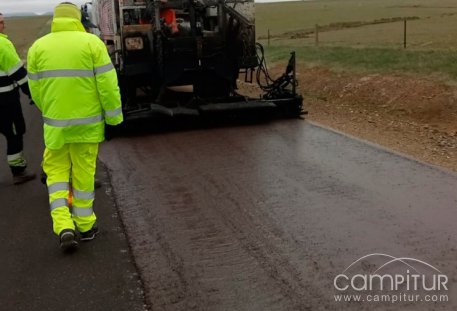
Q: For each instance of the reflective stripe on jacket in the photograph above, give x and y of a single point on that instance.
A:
(74, 84)
(12, 71)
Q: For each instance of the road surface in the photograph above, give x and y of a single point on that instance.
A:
(260, 217)
(264, 217)
(34, 274)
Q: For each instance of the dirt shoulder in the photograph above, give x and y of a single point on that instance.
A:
(415, 115)
(410, 114)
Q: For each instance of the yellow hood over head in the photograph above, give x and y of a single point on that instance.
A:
(67, 10)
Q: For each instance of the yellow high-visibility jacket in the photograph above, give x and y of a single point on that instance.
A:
(74, 84)
(12, 71)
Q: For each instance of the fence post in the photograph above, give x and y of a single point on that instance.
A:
(268, 36)
(316, 35)
(404, 33)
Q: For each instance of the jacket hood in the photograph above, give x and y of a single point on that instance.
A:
(67, 17)
(67, 10)
(66, 24)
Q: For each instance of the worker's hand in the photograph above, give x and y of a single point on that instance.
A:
(111, 131)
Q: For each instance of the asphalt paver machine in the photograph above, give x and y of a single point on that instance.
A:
(185, 57)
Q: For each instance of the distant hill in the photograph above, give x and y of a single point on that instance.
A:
(22, 14)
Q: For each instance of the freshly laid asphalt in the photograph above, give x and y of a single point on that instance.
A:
(34, 273)
(258, 217)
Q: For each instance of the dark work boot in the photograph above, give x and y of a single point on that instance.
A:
(89, 235)
(22, 177)
(18, 166)
(68, 241)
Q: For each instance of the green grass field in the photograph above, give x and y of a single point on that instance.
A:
(431, 37)
(438, 15)
(431, 34)
(440, 63)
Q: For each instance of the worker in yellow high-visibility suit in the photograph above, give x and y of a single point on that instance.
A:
(12, 77)
(74, 84)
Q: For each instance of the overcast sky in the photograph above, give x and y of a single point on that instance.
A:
(38, 6)
(42, 6)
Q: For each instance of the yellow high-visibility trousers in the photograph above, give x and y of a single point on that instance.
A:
(71, 167)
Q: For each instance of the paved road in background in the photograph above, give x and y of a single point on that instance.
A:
(34, 274)
(264, 217)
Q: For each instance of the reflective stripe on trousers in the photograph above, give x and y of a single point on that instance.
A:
(17, 160)
(77, 161)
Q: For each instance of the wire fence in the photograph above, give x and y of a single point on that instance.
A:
(406, 33)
